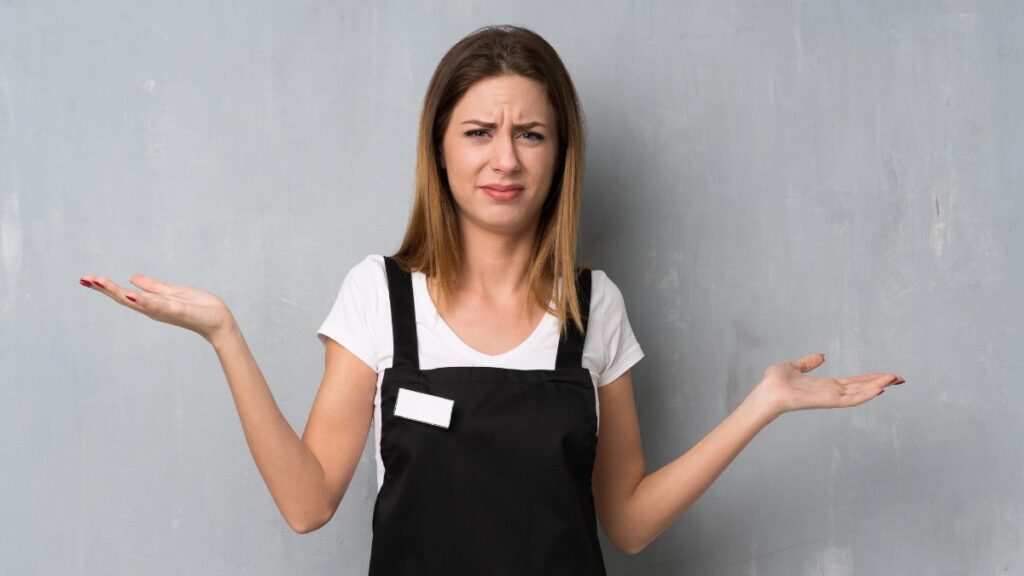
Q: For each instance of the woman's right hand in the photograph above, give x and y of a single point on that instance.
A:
(197, 310)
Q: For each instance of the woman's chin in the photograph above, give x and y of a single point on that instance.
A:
(507, 225)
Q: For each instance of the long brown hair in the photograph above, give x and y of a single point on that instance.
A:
(432, 242)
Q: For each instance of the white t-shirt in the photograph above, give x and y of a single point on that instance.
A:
(360, 320)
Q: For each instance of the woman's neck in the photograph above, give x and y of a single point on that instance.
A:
(493, 265)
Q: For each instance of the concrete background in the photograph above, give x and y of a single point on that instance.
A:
(766, 180)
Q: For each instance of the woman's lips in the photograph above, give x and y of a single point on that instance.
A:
(502, 193)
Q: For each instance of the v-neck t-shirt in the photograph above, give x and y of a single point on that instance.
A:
(360, 320)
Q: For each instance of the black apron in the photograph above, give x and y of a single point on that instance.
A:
(505, 489)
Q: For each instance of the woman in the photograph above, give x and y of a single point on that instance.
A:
(485, 358)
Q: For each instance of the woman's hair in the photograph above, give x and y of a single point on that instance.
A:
(432, 242)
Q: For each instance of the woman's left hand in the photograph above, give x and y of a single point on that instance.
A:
(787, 386)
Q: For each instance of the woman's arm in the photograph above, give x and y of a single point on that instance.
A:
(307, 478)
(635, 508)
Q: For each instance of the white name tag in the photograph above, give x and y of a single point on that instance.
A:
(424, 407)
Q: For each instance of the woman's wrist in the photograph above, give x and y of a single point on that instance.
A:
(761, 405)
(225, 335)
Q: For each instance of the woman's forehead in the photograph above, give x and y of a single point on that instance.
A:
(499, 97)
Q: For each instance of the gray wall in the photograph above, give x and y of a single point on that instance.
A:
(766, 180)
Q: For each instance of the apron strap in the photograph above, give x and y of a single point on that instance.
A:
(570, 346)
(403, 320)
(403, 316)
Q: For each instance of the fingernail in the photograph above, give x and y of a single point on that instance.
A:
(85, 283)
(130, 297)
(98, 283)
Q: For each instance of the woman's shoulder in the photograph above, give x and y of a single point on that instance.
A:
(369, 271)
(367, 279)
(603, 291)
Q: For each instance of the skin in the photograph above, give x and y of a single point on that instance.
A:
(308, 476)
(487, 308)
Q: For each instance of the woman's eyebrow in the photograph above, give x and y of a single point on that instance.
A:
(492, 125)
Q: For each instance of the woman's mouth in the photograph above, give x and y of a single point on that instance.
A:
(502, 193)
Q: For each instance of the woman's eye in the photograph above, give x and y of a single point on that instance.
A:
(529, 135)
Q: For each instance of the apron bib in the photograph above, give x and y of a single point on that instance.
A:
(490, 474)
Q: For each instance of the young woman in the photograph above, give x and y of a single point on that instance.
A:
(489, 363)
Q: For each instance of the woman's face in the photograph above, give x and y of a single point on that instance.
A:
(499, 151)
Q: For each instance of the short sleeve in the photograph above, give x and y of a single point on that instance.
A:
(619, 349)
(351, 321)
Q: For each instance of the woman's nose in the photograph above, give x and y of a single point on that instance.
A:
(505, 156)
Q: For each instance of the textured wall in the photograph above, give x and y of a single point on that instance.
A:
(766, 180)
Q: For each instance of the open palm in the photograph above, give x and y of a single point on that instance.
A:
(197, 310)
(790, 387)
